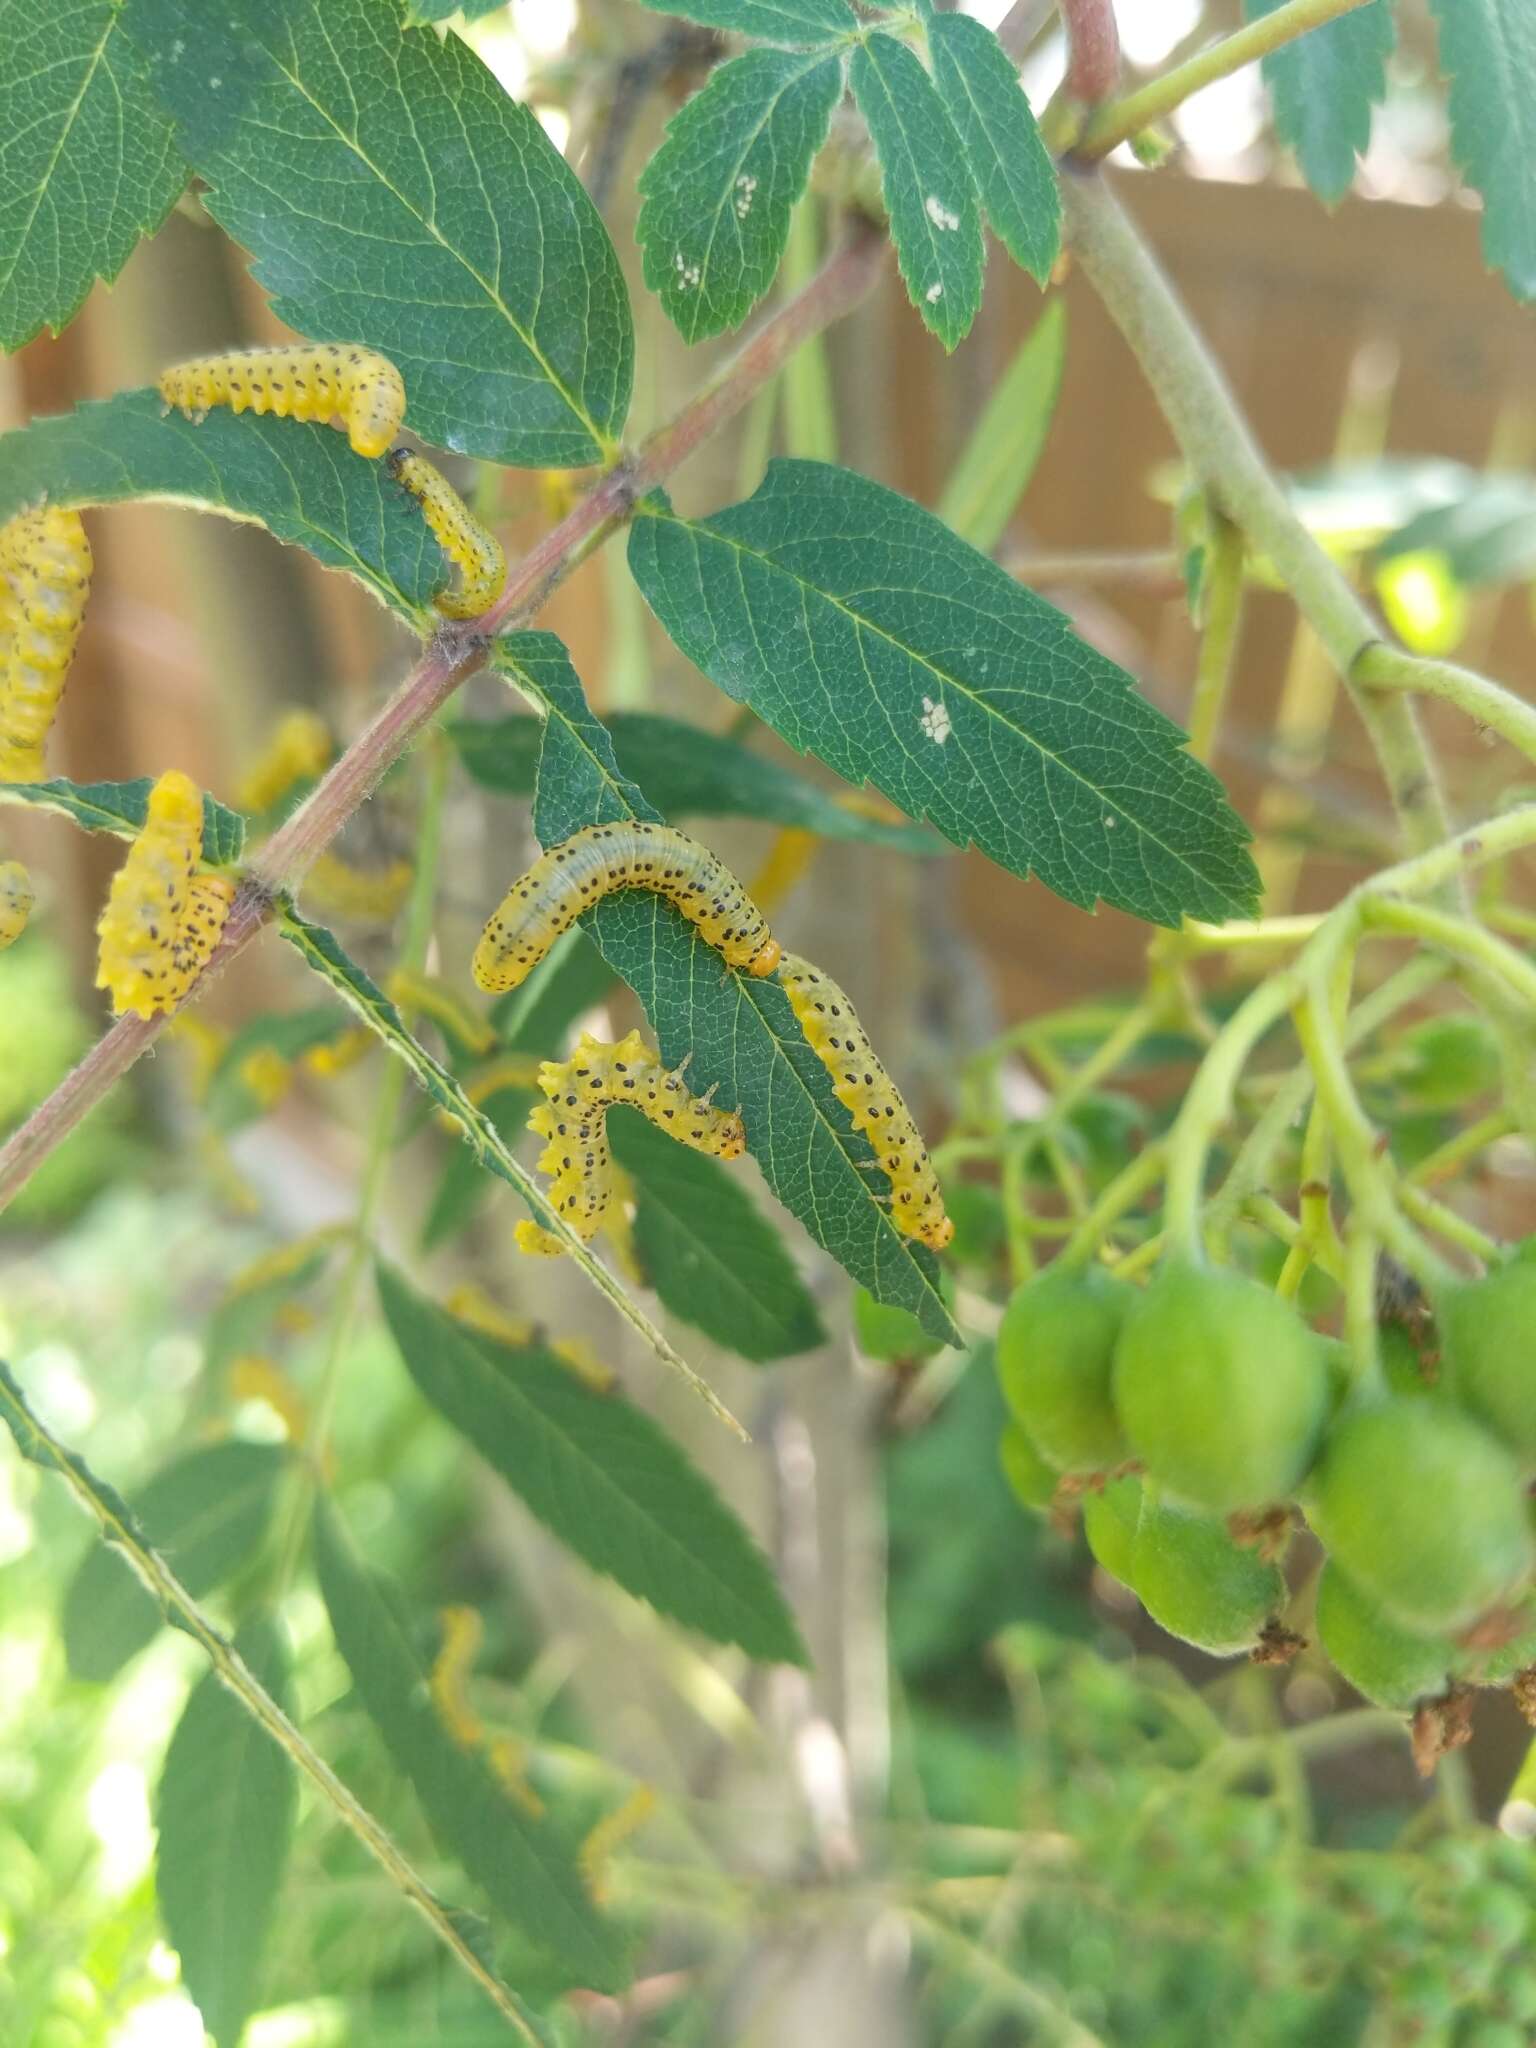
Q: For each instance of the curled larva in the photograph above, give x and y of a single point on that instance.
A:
(163, 918)
(45, 579)
(311, 380)
(472, 548)
(579, 872)
(16, 900)
(870, 1096)
(573, 1118)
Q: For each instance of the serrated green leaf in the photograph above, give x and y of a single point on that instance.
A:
(1326, 85)
(686, 771)
(599, 1473)
(1488, 52)
(300, 481)
(319, 949)
(225, 1819)
(927, 185)
(775, 21)
(866, 632)
(718, 194)
(121, 807)
(534, 1018)
(521, 1864)
(979, 85)
(88, 162)
(206, 1514)
(390, 192)
(739, 1033)
(713, 1260)
(994, 467)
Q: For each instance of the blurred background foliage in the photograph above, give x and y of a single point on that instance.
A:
(1004, 1808)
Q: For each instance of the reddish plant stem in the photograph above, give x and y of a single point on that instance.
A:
(455, 653)
(1093, 50)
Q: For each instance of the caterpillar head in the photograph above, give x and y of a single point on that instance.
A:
(376, 406)
(766, 958)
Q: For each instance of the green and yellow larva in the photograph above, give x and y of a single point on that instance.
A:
(871, 1098)
(16, 900)
(573, 1118)
(45, 580)
(163, 918)
(472, 548)
(630, 854)
(309, 380)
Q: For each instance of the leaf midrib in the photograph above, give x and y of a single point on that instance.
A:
(93, 65)
(600, 439)
(941, 675)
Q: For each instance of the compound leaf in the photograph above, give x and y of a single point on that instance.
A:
(866, 632)
(718, 194)
(225, 1818)
(1325, 86)
(686, 770)
(1488, 52)
(740, 1033)
(927, 185)
(713, 1260)
(206, 1514)
(775, 21)
(609, 1483)
(979, 85)
(390, 192)
(521, 1863)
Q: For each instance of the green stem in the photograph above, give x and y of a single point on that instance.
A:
(1200, 408)
(1448, 1158)
(1436, 1216)
(240, 1680)
(1123, 1193)
(1458, 937)
(1380, 667)
(1218, 646)
(1123, 118)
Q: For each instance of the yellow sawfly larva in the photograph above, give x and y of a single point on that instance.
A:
(871, 1098)
(45, 580)
(573, 1118)
(16, 899)
(629, 854)
(163, 918)
(308, 380)
(472, 548)
(300, 750)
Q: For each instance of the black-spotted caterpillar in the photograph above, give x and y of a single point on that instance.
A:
(573, 1118)
(45, 579)
(163, 918)
(16, 899)
(310, 380)
(472, 548)
(871, 1098)
(631, 854)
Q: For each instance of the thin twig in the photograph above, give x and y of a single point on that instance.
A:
(455, 654)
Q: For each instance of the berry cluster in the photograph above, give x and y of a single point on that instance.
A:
(1201, 1419)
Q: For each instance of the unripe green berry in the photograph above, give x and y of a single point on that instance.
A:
(1109, 1524)
(1222, 1389)
(1033, 1481)
(1391, 1667)
(1055, 1346)
(1488, 1345)
(1424, 1511)
(1199, 1584)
